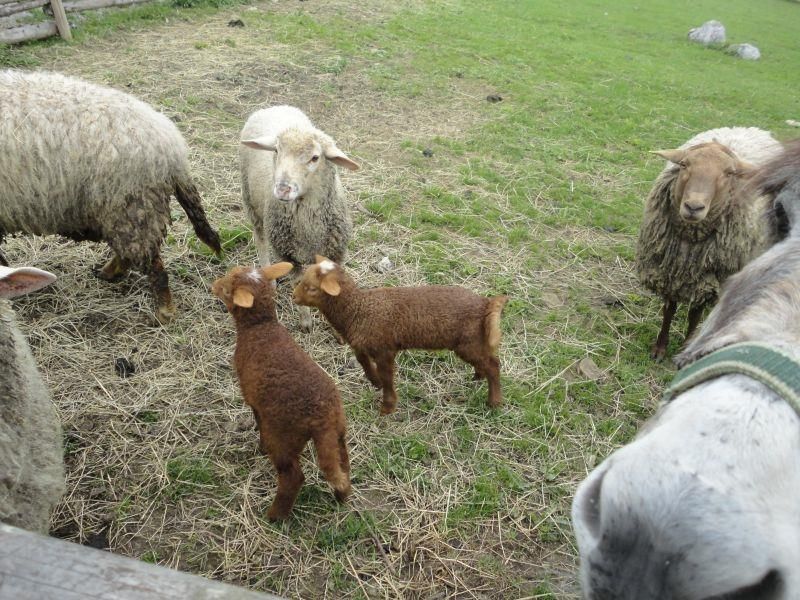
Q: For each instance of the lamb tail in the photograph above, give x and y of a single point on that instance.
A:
(491, 322)
(189, 199)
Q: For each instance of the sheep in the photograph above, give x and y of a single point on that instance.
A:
(91, 163)
(702, 222)
(292, 398)
(377, 323)
(703, 503)
(31, 459)
(293, 197)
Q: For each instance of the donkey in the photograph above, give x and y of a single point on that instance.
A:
(703, 504)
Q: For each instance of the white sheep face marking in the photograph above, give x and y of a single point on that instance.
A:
(297, 165)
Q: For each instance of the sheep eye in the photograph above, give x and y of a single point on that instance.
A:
(730, 172)
(315, 158)
(683, 164)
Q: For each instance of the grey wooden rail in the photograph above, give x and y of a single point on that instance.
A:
(36, 567)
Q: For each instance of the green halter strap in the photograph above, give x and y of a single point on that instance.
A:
(774, 368)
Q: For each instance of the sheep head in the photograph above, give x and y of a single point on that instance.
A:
(707, 174)
(320, 279)
(245, 287)
(299, 159)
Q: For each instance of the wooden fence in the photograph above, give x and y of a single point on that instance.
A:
(12, 11)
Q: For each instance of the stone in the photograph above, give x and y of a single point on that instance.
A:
(384, 265)
(710, 32)
(589, 369)
(745, 51)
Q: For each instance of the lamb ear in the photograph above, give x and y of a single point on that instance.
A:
(243, 298)
(330, 286)
(22, 280)
(336, 156)
(318, 258)
(265, 142)
(675, 156)
(277, 270)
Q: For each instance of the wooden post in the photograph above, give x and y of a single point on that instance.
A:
(61, 19)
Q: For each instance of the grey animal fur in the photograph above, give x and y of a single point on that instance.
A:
(31, 458)
(92, 163)
(319, 221)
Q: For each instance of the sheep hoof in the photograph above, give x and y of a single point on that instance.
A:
(165, 314)
(341, 495)
(276, 514)
(658, 353)
(387, 409)
(110, 275)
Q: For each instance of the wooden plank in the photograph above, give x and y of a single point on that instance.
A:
(34, 566)
(10, 9)
(61, 19)
(24, 33)
(79, 5)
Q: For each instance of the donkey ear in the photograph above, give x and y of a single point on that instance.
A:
(277, 270)
(243, 297)
(330, 285)
(674, 156)
(265, 142)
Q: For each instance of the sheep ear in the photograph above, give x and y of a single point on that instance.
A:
(266, 142)
(744, 169)
(330, 286)
(336, 156)
(243, 298)
(675, 156)
(16, 282)
(277, 270)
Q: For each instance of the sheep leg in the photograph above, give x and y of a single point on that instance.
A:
(262, 245)
(3, 260)
(369, 369)
(384, 363)
(695, 313)
(114, 270)
(333, 461)
(486, 366)
(290, 480)
(257, 425)
(159, 284)
(659, 349)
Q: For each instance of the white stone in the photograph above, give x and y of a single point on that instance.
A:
(745, 51)
(710, 32)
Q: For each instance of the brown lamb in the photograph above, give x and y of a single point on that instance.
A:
(379, 322)
(292, 398)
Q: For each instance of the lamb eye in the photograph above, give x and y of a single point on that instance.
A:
(315, 158)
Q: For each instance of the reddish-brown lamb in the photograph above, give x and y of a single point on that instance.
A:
(379, 322)
(292, 398)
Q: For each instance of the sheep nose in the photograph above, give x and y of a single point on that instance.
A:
(693, 207)
(283, 190)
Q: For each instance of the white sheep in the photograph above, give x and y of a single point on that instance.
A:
(31, 459)
(292, 192)
(92, 163)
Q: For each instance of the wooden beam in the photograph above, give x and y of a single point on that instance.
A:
(61, 19)
(79, 5)
(12, 8)
(34, 566)
(25, 33)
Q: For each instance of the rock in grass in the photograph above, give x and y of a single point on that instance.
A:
(745, 51)
(710, 32)
(589, 369)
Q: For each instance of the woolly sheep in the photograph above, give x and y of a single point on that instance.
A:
(92, 163)
(31, 459)
(292, 398)
(702, 221)
(379, 322)
(293, 196)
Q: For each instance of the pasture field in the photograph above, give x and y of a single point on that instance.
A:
(537, 195)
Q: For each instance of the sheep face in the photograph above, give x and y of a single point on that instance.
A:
(706, 174)
(318, 280)
(300, 158)
(246, 287)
